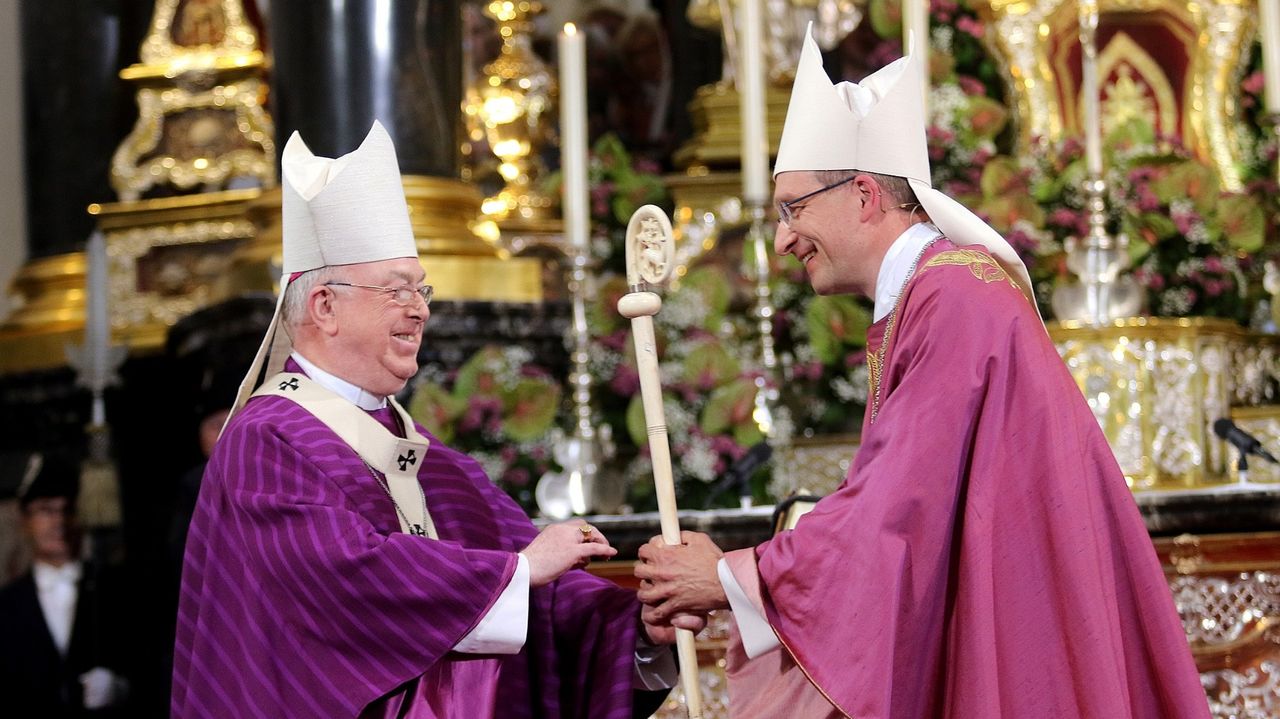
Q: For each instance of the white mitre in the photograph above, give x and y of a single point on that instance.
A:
(340, 211)
(878, 125)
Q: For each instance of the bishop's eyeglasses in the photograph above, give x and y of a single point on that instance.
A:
(402, 295)
(788, 210)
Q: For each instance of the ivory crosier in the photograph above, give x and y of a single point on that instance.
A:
(649, 264)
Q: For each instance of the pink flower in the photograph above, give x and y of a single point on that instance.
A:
(1254, 83)
(626, 381)
(971, 85)
(1147, 200)
(516, 477)
(971, 26)
(1213, 264)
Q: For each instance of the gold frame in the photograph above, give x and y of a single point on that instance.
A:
(1211, 125)
(173, 79)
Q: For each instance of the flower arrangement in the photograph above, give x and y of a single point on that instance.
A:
(1190, 244)
(500, 408)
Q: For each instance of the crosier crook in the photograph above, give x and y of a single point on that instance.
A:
(649, 263)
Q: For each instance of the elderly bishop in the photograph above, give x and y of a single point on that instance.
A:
(341, 561)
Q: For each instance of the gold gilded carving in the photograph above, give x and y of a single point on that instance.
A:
(1197, 98)
(201, 123)
(169, 257)
(1226, 589)
(1157, 385)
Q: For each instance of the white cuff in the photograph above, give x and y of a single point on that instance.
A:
(655, 665)
(505, 627)
(753, 627)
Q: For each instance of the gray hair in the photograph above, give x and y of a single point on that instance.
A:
(294, 309)
(896, 189)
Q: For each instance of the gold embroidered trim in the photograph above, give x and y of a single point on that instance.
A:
(982, 265)
(876, 360)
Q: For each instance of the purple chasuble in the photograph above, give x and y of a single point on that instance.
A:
(984, 557)
(301, 597)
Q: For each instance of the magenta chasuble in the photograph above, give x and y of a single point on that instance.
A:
(301, 598)
(984, 558)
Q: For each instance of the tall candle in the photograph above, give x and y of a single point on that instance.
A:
(1089, 87)
(97, 330)
(755, 137)
(1269, 10)
(915, 39)
(573, 136)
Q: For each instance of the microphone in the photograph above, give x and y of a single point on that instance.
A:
(741, 470)
(1243, 441)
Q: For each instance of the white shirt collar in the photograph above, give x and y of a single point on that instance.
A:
(56, 591)
(897, 263)
(344, 389)
(48, 576)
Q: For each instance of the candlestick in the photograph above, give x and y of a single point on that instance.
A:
(1269, 12)
(1089, 91)
(573, 136)
(755, 139)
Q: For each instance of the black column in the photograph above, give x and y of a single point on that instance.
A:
(75, 110)
(340, 65)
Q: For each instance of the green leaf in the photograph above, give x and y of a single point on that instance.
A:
(713, 288)
(987, 117)
(709, 364)
(835, 323)
(436, 409)
(636, 426)
(1243, 222)
(1161, 225)
(886, 18)
(729, 408)
(530, 409)
(476, 376)
(1001, 175)
(1189, 179)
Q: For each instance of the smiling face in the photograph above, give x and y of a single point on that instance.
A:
(369, 339)
(826, 234)
(839, 234)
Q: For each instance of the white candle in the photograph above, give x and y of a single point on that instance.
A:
(573, 136)
(1089, 92)
(1269, 10)
(915, 22)
(97, 327)
(755, 136)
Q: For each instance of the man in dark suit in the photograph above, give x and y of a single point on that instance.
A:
(59, 624)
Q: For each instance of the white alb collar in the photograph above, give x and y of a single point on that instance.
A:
(48, 576)
(897, 263)
(355, 395)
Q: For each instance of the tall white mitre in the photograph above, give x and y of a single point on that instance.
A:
(878, 125)
(342, 211)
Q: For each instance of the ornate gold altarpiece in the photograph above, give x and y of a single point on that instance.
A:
(1175, 63)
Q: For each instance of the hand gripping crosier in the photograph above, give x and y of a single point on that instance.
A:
(649, 263)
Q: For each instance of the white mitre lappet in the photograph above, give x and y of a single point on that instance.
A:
(878, 125)
(342, 211)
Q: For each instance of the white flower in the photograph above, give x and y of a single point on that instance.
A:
(941, 37)
(699, 460)
(492, 464)
(844, 389)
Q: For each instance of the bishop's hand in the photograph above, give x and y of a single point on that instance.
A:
(678, 580)
(561, 547)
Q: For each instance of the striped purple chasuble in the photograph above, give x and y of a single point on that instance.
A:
(300, 596)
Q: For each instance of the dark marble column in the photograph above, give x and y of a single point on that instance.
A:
(76, 110)
(340, 65)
